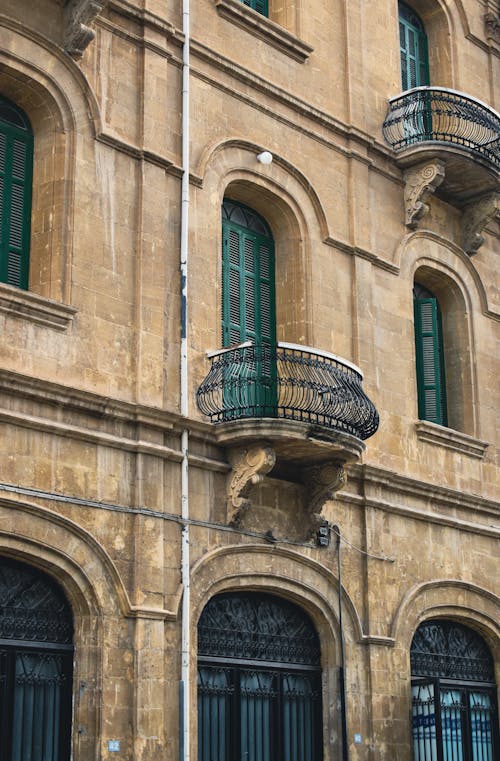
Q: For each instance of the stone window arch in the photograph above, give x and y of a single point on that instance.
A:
(451, 350)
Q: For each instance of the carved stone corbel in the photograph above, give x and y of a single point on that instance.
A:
(420, 181)
(321, 482)
(492, 26)
(78, 14)
(249, 466)
(475, 218)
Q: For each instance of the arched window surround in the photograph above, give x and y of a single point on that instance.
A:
(457, 346)
(52, 103)
(287, 226)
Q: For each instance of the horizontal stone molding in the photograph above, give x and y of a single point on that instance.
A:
(451, 439)
(38, 309)
(263, 27)
(110, 411)
(375, 477)
(297, 105)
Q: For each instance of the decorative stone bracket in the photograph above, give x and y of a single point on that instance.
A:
(492, 26)
(249, 466)
(475, 218)
(420, 181)
(78, 14)
(321, 483)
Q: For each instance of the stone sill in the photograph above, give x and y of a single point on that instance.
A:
(35, 308)
(262, 27)
(447, 437)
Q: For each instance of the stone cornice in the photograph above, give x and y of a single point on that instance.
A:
(142, 15)
(373, 477)
(34, 308)
(263, 27)
(451, 439)
(64, 397)
(438, 519)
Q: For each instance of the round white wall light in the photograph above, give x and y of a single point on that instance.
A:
(265, 157)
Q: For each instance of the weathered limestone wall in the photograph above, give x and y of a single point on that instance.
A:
(89, 357)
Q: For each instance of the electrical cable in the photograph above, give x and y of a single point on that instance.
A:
(267, 536)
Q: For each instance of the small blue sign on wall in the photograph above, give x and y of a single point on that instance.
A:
(113, 746)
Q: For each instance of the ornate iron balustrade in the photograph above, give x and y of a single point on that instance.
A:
(430, 114)
(290, 382)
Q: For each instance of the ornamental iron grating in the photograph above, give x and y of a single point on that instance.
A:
(257, 627)
(32, 608)
(447, 649)
(292, 383)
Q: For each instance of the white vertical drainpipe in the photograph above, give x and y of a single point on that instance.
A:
(184, 740)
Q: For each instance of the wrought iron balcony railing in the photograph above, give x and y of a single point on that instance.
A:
(290, 382)
(431, 114)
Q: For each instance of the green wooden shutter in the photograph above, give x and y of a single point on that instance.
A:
(16, 173)
(248, 312)
(248, 300)
(413, 49)
(261, 6)
(430, 361)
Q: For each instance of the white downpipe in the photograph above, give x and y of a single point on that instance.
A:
(184, 740)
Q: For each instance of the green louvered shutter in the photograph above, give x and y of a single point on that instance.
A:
(248, 287)
(16, 172)
(248, 311)
(430, 361)
(413, 49)
(261, 6)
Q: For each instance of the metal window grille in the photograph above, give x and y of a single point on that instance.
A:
(36, 660)
(454, 712)
(259, 681)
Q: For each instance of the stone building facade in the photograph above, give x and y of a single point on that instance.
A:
(141, 541)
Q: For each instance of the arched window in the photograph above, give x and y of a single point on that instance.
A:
(453, 695)
(259, 681)
(36, 657)
(16, 176)
(261, 6)
(431, 383)
(413, 49)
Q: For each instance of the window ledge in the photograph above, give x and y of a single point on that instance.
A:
(264, 28)
(447, 437)
(37, 309)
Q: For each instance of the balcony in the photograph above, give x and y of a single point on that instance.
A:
(437, 123)
(307, 404)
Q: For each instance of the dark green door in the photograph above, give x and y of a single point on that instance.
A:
(248, 312)
(415, 71)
